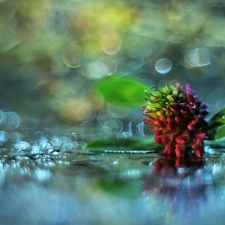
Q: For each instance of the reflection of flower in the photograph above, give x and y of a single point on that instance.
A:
(180, 185)
(177, 117)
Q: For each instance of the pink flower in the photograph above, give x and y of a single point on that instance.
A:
(177, 117)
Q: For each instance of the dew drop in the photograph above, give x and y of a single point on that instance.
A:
(21, 146)
(4, 137)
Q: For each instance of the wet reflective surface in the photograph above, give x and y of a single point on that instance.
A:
(80, 187)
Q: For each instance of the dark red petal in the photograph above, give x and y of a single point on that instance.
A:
(200, 137)
(183, 138)
(167, 138)
(180, 150)
(158, 132)
(169, 149)
(192, 125)
(146, 121)
(179, 121)
(158, 139)
(198, 150)
(161, 124)
(162, 118)
(172, 126)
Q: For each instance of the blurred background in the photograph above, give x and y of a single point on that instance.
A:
(53, 53)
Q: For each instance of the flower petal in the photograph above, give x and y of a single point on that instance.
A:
(180, 150)
(198, 150)
(183, 138)
(169, 149)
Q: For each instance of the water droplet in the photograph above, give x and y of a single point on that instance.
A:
(163, 66)
(21, 146)
(55, 142)
(4, 137)
(43, 143)
(36, 149)
(72, 56)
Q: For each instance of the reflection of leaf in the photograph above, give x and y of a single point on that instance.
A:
(123, 92)
(121, 188)
(139, 143)
(220, 143)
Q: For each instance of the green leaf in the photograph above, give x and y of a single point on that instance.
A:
(220, 132)
(217, 119)
(215, 128)
(123, 91)
(138, 144)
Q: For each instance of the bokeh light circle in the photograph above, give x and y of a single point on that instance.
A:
(198, 57)
(163, 66)
(72, 56)
(112, 126)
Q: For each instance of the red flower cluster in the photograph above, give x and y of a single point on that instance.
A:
(177, 117)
